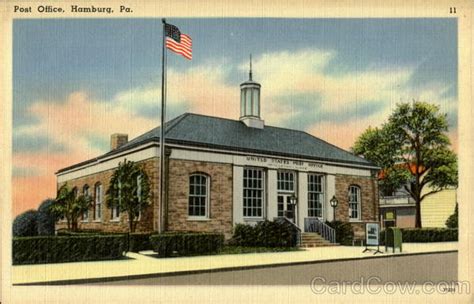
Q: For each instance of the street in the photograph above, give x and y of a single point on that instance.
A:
(434, 267)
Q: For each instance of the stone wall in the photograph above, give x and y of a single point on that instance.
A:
(220, 213)
(146, 222)
(369, 201)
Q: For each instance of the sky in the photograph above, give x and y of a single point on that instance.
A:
(76, 81)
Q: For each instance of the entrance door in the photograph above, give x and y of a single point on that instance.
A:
(285, 208)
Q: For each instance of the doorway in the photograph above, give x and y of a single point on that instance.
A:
(285, 207)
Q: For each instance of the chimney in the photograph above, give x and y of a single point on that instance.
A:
(117, 140)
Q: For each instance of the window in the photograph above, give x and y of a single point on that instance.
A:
(286, 181)
(98, 202)
(242, 104)
(85, 192)
(253, 192)
(115, 210)
(354, 202)
(198, 195)
(315, 195)
(139, 195)
(255, 102)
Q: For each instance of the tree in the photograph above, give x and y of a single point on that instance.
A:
(26, 224)
(46, 218)
(413, 150)
(129, 189)
(70, 205)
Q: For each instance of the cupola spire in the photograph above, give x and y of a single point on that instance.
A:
(250, 71)
(250, 101)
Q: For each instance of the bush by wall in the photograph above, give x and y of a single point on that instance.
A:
(26, 224)
(140, 242)
(344, 232)
(265, 234)
(46, 219)
(425, 235)
(56, 249)
(452, 221)
(185, 244)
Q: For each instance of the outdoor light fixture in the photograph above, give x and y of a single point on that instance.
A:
(293, 199)
(334, 203)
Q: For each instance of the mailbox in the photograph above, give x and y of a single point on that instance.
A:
(393, 238)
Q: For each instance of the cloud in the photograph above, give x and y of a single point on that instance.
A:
(297, 92)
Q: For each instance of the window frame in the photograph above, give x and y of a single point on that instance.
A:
(358, 202)
(98, 198)
(263, 195)
(86, 194)
(293, 182)
(207, 184)
(322, 195)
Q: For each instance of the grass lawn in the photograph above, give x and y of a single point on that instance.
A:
(241, 249)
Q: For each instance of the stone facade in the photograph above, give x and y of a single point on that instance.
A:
(369, 201)
(146, 222)
(220, 200)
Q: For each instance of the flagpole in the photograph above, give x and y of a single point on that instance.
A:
(162, 135)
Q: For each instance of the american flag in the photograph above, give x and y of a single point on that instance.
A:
(177, 42)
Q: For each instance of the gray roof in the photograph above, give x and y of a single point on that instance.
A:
(226, 134)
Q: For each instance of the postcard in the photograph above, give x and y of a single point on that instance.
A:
(244, 152)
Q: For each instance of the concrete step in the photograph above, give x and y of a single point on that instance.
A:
(312, 239)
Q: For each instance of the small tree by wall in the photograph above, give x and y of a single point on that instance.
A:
(129, 189)
(70, 205)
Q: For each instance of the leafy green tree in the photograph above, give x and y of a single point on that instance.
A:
(129, 189)
(413, 150)
(70, 205)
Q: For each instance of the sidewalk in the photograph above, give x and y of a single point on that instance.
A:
(141, 266)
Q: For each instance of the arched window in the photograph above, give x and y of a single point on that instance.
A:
(198, 203)
(98, 198)
(86, 193)
(74, 190)
(354, 202)
(139, 195)
(115, 209)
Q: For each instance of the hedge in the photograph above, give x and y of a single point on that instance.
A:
(57, 249)
(344, 232)
(140, 242)
(265, 234)
(186, 244)
(425, 235)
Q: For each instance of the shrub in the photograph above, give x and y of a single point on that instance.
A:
(139, 242)
(46, 219)
(265, 234)
(425, 235)
(185, 244)
(26, 224)
(56, 249)
(344, 232)
(452, 221)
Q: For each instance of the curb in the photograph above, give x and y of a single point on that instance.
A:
(222, 269)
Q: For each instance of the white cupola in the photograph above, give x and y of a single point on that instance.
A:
(250, 102)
